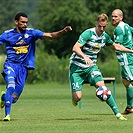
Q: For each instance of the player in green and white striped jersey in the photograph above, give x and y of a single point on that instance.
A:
(123, 36)
(83, 61)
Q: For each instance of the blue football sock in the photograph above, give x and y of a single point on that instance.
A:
(8, 100)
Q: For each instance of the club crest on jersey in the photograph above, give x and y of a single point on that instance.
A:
(26, 35)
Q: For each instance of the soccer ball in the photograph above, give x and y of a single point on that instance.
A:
(103, 93)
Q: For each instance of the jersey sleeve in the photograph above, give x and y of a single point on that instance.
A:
(38, 34)
(131, 29)
(118, 35)
(2, 38)
(109, 40)
(84, 37)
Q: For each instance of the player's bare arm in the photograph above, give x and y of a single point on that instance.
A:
(56, 34)
(78, 51)
(119, 47)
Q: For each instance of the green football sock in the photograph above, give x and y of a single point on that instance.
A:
(111, 102)
(129, 95)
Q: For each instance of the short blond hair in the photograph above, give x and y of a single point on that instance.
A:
(102, 17)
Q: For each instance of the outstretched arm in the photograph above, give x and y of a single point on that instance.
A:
(119, 47)
(56, 34)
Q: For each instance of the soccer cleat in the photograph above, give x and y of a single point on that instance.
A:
(1, 102)
(121, 117)
(7, 118)
(128, 111)
(74, 103)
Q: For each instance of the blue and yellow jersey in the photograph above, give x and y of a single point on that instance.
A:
(20, 47)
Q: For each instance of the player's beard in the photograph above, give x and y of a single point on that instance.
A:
(114, 23)
(22, 29)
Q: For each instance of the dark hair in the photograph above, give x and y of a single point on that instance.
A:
(18, 15)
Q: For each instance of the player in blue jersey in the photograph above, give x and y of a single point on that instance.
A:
(123, 36)
(20, 50)
(83, 66)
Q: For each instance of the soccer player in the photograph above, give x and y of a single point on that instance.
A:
(83, 66)
(20, 50)
(123, 36)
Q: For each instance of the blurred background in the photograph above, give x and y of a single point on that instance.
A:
(52, 56)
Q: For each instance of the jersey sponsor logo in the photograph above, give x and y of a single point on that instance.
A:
(21, 49)
(96, 48)
(93, 47)
(21, 42)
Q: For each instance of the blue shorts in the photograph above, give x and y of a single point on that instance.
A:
(17, 73)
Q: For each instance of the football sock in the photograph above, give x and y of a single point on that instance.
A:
(8, 100)
(113, 105)
(129, 95)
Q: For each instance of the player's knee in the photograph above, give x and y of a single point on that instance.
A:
(14, 100)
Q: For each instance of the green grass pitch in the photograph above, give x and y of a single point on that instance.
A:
(47, 108)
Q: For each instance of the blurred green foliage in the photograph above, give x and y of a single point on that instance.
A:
(49, 68)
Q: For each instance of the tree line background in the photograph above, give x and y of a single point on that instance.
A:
(52, 56)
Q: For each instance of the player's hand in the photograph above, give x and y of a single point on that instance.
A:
(88, 61)
(67, 28)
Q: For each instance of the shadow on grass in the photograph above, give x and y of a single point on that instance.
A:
(98, 114)
(77, 119)
(85, 118)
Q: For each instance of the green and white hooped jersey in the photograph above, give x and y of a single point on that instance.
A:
(123, 35)
(92, 44)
